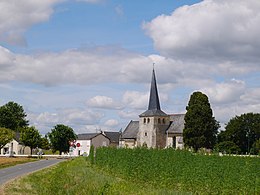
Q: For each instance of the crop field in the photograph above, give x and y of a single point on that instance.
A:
(183, 171)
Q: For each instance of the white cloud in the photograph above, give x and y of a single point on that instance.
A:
(88, 66)
(135, 99)
(104, 102)
(225, 93)
(78, 119)
(17, 16)
(111, 123)
(216, 29)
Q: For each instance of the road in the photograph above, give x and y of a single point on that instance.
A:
(9, 173)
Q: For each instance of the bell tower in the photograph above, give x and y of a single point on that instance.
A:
(153, 122)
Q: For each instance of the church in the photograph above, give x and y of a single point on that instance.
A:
(155, 128)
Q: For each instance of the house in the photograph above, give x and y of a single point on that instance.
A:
(15, 147)
(86, 140)
(155, 128)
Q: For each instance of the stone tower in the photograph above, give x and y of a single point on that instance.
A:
(153, 122)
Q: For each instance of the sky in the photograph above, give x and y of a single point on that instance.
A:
(88, 63)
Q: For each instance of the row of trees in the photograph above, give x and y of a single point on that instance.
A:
(13, 123)
(242, 133)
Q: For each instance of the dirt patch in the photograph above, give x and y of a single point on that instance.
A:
(10, 161)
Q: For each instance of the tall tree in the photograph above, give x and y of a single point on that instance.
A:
(12, 116)
(243, 130)
(6, 135)
(200, 128)
(60, 137)
(31, 137)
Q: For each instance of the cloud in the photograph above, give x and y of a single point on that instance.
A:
(89, 66)
(111, 123)
(17, 16)
(104, 102)
(135, 99)
(119, 10)
(226, 92)
(216, 29)
(78, 119)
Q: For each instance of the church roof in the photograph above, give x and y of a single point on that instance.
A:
(113, 136)
(131, 130)
(177, 123)
(154, 108)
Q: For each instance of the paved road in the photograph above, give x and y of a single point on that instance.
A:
(9, 173)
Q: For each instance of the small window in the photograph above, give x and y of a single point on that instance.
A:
(163, 120)
(145, 134)
(144, 120)
(159, 120)
(148, 121)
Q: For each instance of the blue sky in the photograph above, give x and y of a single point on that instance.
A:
(88, 63)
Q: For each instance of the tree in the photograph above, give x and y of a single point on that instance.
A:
(6, 135)
(228, 147)
(44, 143)
(60, 137)
(200, 128)
(243, 130)
(12, 116)
(31, 137)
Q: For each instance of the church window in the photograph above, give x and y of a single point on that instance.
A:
(148, 121)
(159, 120)
(163, 120)
(145, 134)
(144, 120)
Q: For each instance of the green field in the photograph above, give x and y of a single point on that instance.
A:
(183, 171)
(144, 171)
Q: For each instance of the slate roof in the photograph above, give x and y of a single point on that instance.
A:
(154, 108)
(131, 130)
(177, 123)
(113, 136)
(86, 136)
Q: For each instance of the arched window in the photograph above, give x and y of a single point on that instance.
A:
(148, 121)
(163, 120)
(145, 134)
(159, 120)
(144, 120)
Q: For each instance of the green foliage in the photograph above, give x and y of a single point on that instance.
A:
(200, 127)
(183, 171)
(91, 155)
(44, 143)
(227, 147)
(6, 135)
(243, 130)
(12, 116)
(31, 137)
(60, 137)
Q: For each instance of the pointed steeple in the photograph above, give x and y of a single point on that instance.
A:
(154, 108)
(154, 103)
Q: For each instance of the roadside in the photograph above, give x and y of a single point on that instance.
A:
(11, 173)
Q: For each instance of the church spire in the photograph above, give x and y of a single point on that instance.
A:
(154, 102)
(154, 108)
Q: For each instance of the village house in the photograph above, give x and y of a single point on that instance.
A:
(15, 147)
(155, 128)
(102, 139)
